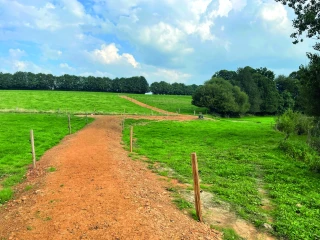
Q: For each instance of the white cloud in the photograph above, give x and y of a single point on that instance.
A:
(108, 54)
(66, 66)
(16, 53)
(225, 6)
(19, 65)
(74, 7)
(275, 17)
(162, 35)
(172, 75)
(50, 53)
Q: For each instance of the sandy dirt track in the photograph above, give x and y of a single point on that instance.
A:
(97, 192)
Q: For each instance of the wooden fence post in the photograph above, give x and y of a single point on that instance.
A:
(131, 137)
(196, 185)
(69, 123)
(33, 149)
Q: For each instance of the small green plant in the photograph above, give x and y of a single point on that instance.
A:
(51, 169)
(182, 204)
(29, 228)
(28, 187)
(228, 233)
(48, 219)
(5, 195)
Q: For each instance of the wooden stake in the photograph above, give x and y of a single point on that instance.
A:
(131, 137)
(33, 149)
(69, 123)
(196, 185)
(194, 112)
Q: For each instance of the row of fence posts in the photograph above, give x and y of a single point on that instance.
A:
(194, 162)
(33, 150)
(195, 173)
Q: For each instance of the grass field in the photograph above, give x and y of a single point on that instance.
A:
(15, 146)
(239, 159)
(169, 103)
(73, 102)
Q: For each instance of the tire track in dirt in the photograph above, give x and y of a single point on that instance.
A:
(148, 106)
(97, 192)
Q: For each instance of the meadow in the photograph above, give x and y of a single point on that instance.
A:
(67, 101)
(15, 149)
(171, 103)
(240, 162)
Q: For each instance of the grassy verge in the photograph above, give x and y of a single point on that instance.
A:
(171, 103)
(239, 159)
(62, 102)
(15, 146)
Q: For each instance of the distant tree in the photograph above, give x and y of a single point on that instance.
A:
(220, 96)
(247, 84)
(310, 86)
(268, 94)
(226, 74)
(266, 72)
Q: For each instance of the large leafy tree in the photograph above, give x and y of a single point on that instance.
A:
(220, 96)
(308, 22)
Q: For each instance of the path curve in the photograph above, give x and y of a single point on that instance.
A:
(97, 192)
(148, 106)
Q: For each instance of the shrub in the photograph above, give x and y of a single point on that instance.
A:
(303, 152)
(293, 123)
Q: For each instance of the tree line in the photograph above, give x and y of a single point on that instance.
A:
(66, 82)
(255, 91)
(41, 81)
(172, 89)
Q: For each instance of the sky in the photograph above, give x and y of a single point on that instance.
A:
(183, 41)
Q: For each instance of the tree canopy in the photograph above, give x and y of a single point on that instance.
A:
(220, 96)
(307, 21)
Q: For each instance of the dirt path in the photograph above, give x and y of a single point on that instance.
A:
(148, 106)
(97, 192)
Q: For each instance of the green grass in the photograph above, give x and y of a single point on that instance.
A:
(15, 149)
(237, 157)
(67, 101)
(171, 103)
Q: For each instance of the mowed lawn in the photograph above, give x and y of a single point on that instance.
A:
(238, 159)
(15, 148)
(171, 103)
(67, 101)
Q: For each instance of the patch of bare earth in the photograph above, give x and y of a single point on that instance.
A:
(97, 192)
(147, 106)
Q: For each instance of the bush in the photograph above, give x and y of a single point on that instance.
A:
(293, 123)
(302, 152)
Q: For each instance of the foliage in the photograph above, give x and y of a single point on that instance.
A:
(293, 123)
(310, 85)
(221, 97)
(237, 157)
(307, 21)
(172, 103)
(66, 82)
(15, 148)
(302, 151)
(62, 102)
(172, 89)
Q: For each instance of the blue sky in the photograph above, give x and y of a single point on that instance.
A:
(172, 40)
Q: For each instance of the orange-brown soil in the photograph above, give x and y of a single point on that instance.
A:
(96, 192)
